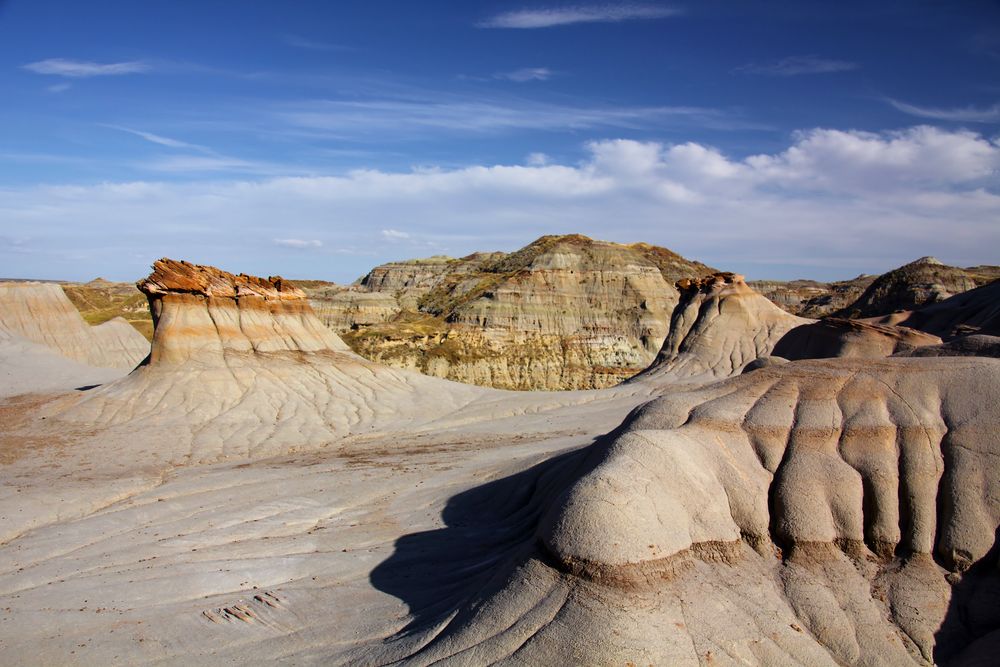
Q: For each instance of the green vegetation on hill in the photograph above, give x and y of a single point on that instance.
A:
(100, 300)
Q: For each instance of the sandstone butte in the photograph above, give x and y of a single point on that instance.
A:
(564, 312)
(257, 493)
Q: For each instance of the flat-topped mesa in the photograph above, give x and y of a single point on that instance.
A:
(718, 326)
(203, 314)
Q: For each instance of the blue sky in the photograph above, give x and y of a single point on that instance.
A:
(317, 139)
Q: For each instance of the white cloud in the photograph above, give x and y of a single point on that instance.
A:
(960, 115)
(854, 201)
(298, 243)
(526, 74)
(537, 159)
(59, 87)
(555, 16)
(79, 69)
(796, 65)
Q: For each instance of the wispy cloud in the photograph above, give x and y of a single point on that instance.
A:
(300, 42)
(526, 74)
(394, 235)
(959, 115)
(300, 244)
(215, 163)
(59, 88)
(554, 16)
(159, 139)
(82, 69)
(355, 119)
(797, 65)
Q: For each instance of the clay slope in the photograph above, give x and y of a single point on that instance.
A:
(101, 300)
(564, 312)
(718, 327)
(27, 367)
(241, 367)
(974, 312)
(821, 512)
(40, 312)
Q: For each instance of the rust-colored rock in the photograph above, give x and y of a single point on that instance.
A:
(204, 314)
(171, 276)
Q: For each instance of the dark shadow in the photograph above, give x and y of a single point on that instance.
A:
(970, 633)
(489, 530)
(88, 387)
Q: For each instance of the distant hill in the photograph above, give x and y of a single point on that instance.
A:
(563, 312)
(917, 284)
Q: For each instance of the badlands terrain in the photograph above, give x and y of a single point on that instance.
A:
(247, 488)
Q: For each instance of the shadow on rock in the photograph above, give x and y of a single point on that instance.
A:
(970, 633)
(490, 529)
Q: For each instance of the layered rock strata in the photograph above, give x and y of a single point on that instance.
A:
(202, 314)
(920, 283)
(974, 312)
(822, 512)
(721, 325)
(564, 312)
(40, 312)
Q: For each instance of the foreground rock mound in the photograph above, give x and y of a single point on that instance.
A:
(835, 337)
(564, 312)
(40, 312)
(818, 512)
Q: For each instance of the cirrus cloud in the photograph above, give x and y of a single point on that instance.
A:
(548, 17)
(81, 69)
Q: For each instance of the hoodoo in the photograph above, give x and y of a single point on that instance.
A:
(203, 314)
(721, 324)
(241, 365)
(718, 327)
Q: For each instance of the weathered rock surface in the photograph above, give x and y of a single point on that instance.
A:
(241, 366)
(836, 337)
(921, 283)
(719, 326)
(40, 312)
(974, 312)
(818, 512)
(201, 314)
(27, 367)
(257, 494)
(810, 298)
(975, 345)
(564, 312)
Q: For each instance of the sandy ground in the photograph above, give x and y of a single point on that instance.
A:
(304, 558)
